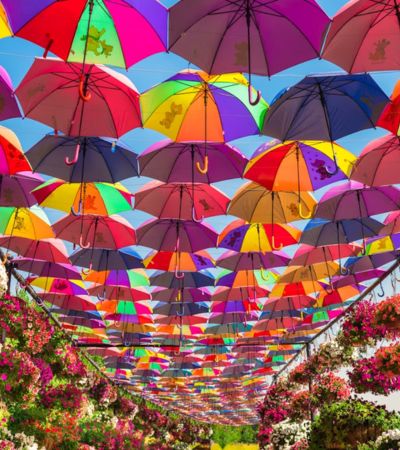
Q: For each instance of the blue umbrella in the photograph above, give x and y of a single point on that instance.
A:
(190, 279)
(179, 308)
(325, 107)
(101, 259)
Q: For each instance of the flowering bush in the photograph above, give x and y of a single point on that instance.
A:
(301, 406)
(329, 356)
(388, 440)
(302, 444)
(285, 434)
(388, 313)
(366, 377)
(388, 360)
(103, 392)
(64, 396)
(125, 407)
(300, 374)
(329, 388)
(68, 363)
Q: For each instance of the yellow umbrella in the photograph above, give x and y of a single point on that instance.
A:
(318, 271)
(23, 222)
(5, 29)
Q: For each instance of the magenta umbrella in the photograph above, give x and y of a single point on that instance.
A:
(187, 295)
(176, 235)
(110, 232)
(353, 200)
(379, 162)
(46, 268)
(119, 292)
(223, 293)
(15, 190)
(75, 302)
(289, 303)
(8, 103)
(252, 260)
(79, 100)
(175, 162)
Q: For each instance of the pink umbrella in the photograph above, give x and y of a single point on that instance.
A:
(51, 249)
(176, 235)
(75, 302)
(379, 162)
(307, 254)
(8, 105)
(15, 190)
(240, 293)
(109, 232)
(276, 324)
(186, 201)
(119, 292)
(102, 102)
(289, 303)
(392, 224)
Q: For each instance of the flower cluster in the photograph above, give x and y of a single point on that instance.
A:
(301, 406)
(286, 434)
(64, 396)
(329, 388)
(103, 392)
(388, 440)
(329, 356)
(388, 313)
(388, 360)
(301, 374)
(69, 362)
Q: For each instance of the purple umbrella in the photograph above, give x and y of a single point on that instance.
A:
(184, 309)
(46, 268)
(261, 37)
(175, 162)
(356, 279)
(190, 279)
(8, 103)
(233, 317)
(188, 295)
(370, 262)
(15, 190)
(176, 235)
(352, 200)
(100, 259)
(252, 260)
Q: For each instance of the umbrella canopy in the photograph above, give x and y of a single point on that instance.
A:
(316, 271)
(234, 306)
(69, 302)
(99, 31)
(176, 235)
(5, 29)
(257, 237)
(353, 200)
(370, 262)
(378, 164)
(111, 232)
(26, 223)
(9, 106)
(190, 279)
(326, 108)
(374, 31)
(171, 261)
(247, 36)
(126, 278)
(195, 106)
(307, 254)
(59, 286)
(181, 309)
(181, 201)
(119, 292)
(87, 198)
(12, 158)
(252, 260)
(46, 268)
(293, 303)
(242, 293)
(98, 159)
(254, 203)
(100, 259)
(183, 295)
(15, 190)
(299, 166)
(175, 162)
(79, 100)
(244, 278)
(390, 115)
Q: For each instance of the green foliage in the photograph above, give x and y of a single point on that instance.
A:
(224, 435)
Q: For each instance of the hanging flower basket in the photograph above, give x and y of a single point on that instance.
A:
(388, 313)
(388, 360)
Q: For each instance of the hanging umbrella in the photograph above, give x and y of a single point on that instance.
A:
(15, 190)
(100, 259)
(79, 101)
(111, 232)
(390, 115)
(181, 201)
(311, 163)
(315, 272)
(46, 269)
(5, 29)
(59, 286)
(69, 302)
(227, 329)
(326, 108)
(242, 293)
(188, 295)
(184, 309)
(176, 235)
(378, 164)
(52, 250)
(8, 104)
(195, 106)
(189, 279)
(222, 37)
(126, 278)
(12, 158)
(298, 288)
(307, 254)
(373, 28)
(358, 264)
(353, 200)
(87, 198)
(244, 278)
(174, 162)
(170, 261)
(392, 224)
(382, 244)
(128, 312)
(108, 32)
(99, 160)
(292, 303)
(255, 203)
(356, 279)
(282, 323)
(252, 260)
(119, 292)
(27, 223)
(338, 295)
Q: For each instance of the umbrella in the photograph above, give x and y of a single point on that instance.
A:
(311, 163)
(100, 259)
(108, 32)
(378, 164)
(307, 254)
(353, 200)
(8, 103)
(255, 203)
(257, 237)
(87, 198)
(242, 293)
(69, 302)
(245, 278)
(126, 278)
(98, 160)
(298, 288)
(252, 260)
(358, 264)
(338, 295)
(125, 311)
(390, 115)
(111, 232)
(27, 223)
(316, 271)
(181, 201)
(59, 286)
(170, 261)
(51, 249)
(373, 28)
(382, 244)
(189, 279)
(293, 303)
(234, 306)
(5, 29)
(356, 279)
(78, 100)
(12, 158)
(15, 190)
(188, 295)
(195, 106)
(174, 162)
(221, 37)
(326, 108)
(119, 292)
(281, 323)
(176, 235)
(184, 309)
(392, 224)
(46, 268)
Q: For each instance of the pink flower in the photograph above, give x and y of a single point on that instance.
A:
(3, 377)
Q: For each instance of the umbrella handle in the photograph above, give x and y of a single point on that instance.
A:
(100, 298)
(335, 170)
(194, 218)
(382, 293)
(81, 244)
(256, 101)
(203, 170)
(302, 215)
(85, 271)
(344, 270)
(179, 275)
(70, 162)
(85, 97)
(262, 273)
(76, 213)
(274, 247)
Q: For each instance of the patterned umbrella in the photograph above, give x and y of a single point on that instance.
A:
(12, 158)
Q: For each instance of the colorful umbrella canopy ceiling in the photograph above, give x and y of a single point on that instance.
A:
(203, 303)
